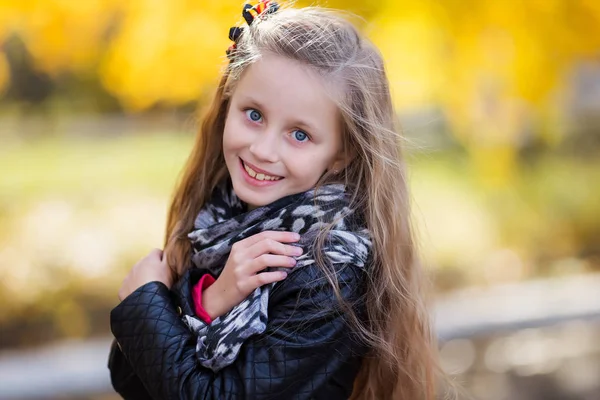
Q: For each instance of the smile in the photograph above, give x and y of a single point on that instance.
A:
(259, 175)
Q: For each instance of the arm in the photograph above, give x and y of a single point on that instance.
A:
(124, 380)
(305, 343)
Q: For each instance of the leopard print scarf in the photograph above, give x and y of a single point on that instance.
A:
(224, 221)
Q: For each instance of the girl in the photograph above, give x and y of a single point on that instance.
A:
(295, 199)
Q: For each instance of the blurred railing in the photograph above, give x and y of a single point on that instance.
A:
(77, 369)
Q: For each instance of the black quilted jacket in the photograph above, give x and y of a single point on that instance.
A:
(306, 352)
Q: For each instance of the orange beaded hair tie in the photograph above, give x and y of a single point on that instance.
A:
(250, 13)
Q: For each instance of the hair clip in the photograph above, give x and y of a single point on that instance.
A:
(250, 13)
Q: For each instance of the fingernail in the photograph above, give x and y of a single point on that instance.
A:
(292, 261)
(297, 251)
(296, 236)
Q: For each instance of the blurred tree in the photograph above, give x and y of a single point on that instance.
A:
(61, 35)
(4, 76)
(166, 51)
(28, 86)
(6, 17)
(496, 67)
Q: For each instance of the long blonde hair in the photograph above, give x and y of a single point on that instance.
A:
(402, 361)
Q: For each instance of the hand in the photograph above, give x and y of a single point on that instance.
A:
(242, 272)
(151, 268)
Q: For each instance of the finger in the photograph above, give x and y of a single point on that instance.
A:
(270, 260)
(271, 246)
(266, 277)
(283, 237)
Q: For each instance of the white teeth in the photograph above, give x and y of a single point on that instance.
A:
(250, 171)
(259, 176)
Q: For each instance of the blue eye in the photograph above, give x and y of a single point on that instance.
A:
(299, 135)
(253, 115)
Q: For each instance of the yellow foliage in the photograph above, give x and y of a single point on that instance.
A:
(440, 51)
(167, 51)
(62, 34)
(490, 64)
(413, 69)
(7, 18)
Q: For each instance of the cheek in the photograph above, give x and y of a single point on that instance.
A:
(230, 138)
(307, 165)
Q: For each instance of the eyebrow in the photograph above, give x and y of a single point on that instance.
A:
(298, 122)
(253, 101)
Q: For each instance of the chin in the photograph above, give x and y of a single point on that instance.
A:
(252, 198)
(254, 201)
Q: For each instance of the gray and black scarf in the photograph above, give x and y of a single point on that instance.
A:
(224, 220)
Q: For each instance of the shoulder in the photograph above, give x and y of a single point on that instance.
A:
(311, 287)
(314, 275)
(305, 311)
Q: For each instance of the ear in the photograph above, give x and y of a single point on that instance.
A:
(343, 159)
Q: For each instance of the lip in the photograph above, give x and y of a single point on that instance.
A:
(253, 181)
(255, 168)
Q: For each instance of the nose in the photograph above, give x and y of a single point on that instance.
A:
(265, 146)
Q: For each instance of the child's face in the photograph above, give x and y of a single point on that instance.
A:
(281, 133)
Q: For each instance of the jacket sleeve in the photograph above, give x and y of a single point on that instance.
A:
(124, 380)
(306, 344)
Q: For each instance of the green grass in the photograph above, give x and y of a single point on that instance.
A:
(68, 166)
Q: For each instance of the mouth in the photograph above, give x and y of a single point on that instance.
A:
(257, 174)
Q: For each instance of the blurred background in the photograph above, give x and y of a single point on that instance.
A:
(500, 106)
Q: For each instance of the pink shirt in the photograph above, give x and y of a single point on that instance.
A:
(202, 284)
